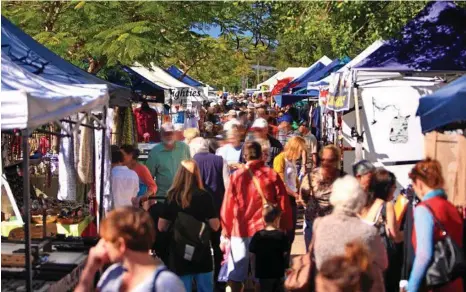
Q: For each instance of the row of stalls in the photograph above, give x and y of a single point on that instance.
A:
(55, 163)
(58, 123)
(368, 105)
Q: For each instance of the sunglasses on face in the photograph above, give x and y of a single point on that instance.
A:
(333, 159)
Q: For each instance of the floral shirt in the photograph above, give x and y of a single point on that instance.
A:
(316, 191)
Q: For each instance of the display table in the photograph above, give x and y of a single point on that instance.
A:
(7, 226)
(68, 230)
(59, 271)
(74, 229)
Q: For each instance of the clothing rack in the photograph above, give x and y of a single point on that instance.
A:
(25, 134)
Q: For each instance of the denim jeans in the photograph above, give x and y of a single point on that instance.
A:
(308, 232)
(204, 282)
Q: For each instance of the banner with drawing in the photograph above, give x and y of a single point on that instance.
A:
(338, 98)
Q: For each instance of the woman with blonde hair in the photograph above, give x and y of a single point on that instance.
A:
(286, 167)
(189, 134)
(189, 211)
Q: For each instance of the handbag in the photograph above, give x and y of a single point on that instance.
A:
(303, 272)
(448, 263)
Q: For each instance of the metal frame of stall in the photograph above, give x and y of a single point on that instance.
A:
(25, 133)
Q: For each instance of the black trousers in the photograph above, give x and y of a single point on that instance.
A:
(218, 255)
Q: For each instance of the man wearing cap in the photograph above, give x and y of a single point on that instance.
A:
(165, 158)
(363, 171)
(260, 130)
(231, 120)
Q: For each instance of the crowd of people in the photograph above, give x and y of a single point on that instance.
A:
(222, 205)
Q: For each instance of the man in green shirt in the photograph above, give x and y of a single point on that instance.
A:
(165, 158)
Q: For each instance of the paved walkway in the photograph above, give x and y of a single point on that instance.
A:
(299, 247)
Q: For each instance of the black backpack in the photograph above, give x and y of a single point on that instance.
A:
(191, 237)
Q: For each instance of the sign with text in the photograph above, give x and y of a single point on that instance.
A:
(185, 96)
(338, 98)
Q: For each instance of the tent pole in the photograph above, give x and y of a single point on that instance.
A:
(358, 119)
(26, 210)
(102, 165)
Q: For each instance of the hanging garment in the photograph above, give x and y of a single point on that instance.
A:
(66, 168)
(86, 154)
(44, 145)
(76, 140)
(179, 117)
(315, 123)
(146, 122)
(107, 161)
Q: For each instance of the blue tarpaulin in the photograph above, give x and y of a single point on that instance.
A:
(323, 72)
(142, 85)
(30, 55)
(435, 40)
(299, 80)
(287, 99)
(444, 106)
(178, 74)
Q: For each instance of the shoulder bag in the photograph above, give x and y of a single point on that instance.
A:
(448, 262)
(265, 202)
(303, 272)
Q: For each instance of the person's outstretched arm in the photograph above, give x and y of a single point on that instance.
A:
(424, 226)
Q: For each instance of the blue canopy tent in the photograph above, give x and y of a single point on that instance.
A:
(435, 40)
(300, 89)
(444, 106)
(144, 86)
(321, 63)
(27, 53)
(178, 74)
(290, 98)
(334, 66)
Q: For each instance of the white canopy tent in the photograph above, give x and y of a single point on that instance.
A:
(28, 100)
(270, 83)
(176, 92)
(326, 81)
(292, 72)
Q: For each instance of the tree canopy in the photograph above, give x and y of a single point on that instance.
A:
(97, 36)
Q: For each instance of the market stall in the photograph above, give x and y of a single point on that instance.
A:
(443, 121)
(32, 56)
(32, 104)
(388, 83)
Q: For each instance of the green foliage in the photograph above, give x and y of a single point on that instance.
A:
(98, 35)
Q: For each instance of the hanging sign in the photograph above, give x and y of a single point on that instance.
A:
(323, 95)
(184, 96)
(338, 98)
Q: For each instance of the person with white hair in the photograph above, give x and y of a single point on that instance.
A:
(231, 120)
(215, 177)
(332, 232)
(231, 151)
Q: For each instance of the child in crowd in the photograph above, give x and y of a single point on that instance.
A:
(270, 247)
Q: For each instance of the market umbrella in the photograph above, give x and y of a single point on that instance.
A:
(444, 106)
